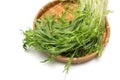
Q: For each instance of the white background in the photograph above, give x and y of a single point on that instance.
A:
(16, 64)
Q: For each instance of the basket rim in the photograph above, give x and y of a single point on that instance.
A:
(79, 59)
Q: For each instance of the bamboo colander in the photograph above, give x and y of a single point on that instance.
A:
(57, 8)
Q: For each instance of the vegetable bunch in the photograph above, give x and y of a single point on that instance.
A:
(75, 38)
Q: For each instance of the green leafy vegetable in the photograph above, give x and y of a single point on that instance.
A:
(76, 38)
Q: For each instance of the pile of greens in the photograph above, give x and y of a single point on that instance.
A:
(76, 38)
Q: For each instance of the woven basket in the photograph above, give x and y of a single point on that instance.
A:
(56, 8)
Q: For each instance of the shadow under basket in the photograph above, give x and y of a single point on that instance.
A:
(58, 8)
